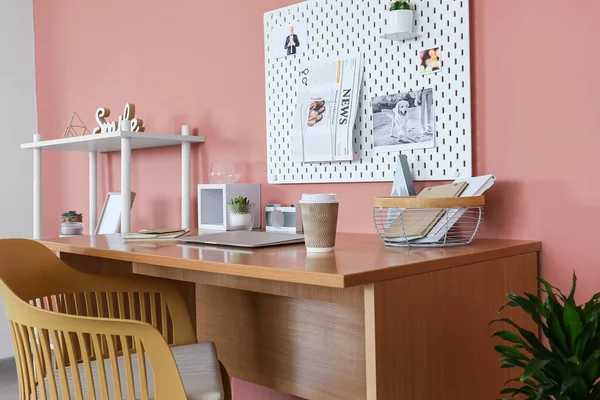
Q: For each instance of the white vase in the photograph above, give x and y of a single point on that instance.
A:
(401, 21)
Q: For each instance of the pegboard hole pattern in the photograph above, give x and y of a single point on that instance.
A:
(351, 27)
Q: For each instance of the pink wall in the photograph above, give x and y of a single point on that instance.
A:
(181, 62)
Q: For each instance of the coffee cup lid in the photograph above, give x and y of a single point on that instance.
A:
(319, 198)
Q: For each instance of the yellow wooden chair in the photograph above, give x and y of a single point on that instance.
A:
(82, 336)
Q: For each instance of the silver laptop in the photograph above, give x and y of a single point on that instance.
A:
(245, 239)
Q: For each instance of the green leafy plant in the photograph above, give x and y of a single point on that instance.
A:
(400, 5)
(240, 205)
(71, 216)
(568, 368)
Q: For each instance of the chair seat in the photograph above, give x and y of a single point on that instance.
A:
(198, 366)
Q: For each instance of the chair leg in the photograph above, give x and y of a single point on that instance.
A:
(226, 382)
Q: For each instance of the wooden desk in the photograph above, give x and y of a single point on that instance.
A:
(365, 322)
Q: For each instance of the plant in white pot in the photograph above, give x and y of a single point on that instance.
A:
(240, 214)
(401, 17)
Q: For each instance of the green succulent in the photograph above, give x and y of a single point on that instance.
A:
(71, 214)
(240, 205)
(568, 368)
(400, 5)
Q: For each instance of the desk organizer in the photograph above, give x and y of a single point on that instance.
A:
(414, 222)
(212, 205)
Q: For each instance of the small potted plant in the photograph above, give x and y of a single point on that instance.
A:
(240, 214)
(71, 223)
(565, 366)
(401, 17)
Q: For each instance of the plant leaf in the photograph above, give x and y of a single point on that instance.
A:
(571, 297)
(584, 340)
(591, 370)
(539, 304)
(556, 334)
(552, 303)
(572, 324)
(511, 352)
(527, 306)
(509, 337)
(509, 304)
(533, 368)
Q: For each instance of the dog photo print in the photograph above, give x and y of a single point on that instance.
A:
(404, 121)
(289, 39)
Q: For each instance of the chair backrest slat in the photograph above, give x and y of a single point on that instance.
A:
(128, 367)
(88, 305)
(60, 365)
(45, 345)
(114, 367)
(131, 302)
(163, 316)
(84, 344)
(27, 353)
(139, 349)
(69, 338)
(153, 316)
(103, 382)
(143, 307)
(19, 358)
(121, 305)
(38, 361)
(111, 305)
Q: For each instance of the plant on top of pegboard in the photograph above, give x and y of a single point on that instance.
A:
(400, 5)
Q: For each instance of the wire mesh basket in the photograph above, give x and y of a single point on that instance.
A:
(422, 222)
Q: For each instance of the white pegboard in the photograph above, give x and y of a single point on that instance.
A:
(339, 28)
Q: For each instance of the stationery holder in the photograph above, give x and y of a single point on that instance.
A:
(422, 222)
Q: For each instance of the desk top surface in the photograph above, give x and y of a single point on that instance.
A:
(358, 259)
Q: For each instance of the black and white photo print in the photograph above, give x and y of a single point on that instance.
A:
(404, 121)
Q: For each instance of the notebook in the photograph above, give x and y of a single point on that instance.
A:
(416, 224)
(155, 234)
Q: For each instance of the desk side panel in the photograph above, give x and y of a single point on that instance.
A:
(311, 349)
(427, 336)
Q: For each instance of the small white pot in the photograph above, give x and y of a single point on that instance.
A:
(401, 21)
(238, 221)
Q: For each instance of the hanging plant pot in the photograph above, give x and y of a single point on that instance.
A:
(400, 25)
(401, 21)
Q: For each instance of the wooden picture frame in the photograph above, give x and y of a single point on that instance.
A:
(112, 204)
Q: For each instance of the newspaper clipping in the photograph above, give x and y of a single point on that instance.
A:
(326, 109)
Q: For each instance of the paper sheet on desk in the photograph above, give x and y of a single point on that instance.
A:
(326, 109)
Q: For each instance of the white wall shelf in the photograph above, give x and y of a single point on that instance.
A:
(111, 142)
(400, 36)
(123, 142)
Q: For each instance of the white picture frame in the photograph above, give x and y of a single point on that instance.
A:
(110, 218)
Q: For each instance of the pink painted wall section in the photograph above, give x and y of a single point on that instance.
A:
(538, 128)
(200, 63)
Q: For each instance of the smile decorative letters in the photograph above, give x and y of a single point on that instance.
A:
(137, 125)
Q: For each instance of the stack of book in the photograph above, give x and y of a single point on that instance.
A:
(156, 234)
